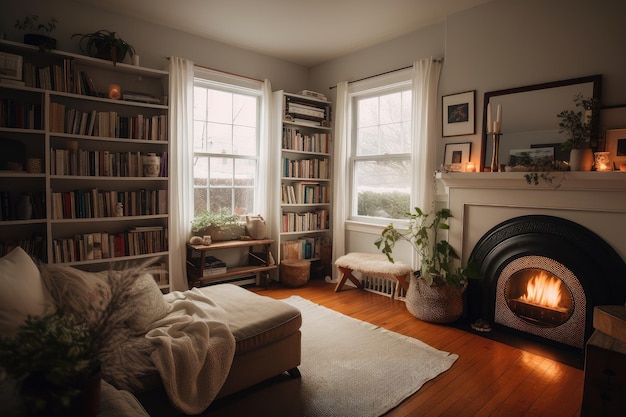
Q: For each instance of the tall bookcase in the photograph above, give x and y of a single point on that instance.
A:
(303, 137)
(83, 161)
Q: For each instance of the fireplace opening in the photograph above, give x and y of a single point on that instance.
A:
(539, 297)
(542, 277)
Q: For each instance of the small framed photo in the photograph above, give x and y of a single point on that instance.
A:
(458, 114)
(10, 66)
(616, 146)
(457, 156)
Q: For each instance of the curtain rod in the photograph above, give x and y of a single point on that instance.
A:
(373, 76)
(223, 72)
(378, 75)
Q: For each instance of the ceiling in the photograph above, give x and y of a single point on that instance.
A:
(304, 32)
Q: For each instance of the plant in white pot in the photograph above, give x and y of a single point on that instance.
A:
(578, 126)
(435, 291)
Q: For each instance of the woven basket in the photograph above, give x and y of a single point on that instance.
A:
(436, 304)
(295, 272)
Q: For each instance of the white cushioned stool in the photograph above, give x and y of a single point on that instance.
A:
(375, 264)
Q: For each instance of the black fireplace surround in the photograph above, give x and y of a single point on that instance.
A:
(596, 265)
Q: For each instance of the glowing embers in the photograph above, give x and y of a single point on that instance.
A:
(539, 297)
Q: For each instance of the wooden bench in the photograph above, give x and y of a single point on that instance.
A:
(375, 264)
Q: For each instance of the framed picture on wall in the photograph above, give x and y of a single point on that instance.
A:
(457, 156)
(616, 146)
(458, 114)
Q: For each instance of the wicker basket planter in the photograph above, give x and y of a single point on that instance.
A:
(434, 304)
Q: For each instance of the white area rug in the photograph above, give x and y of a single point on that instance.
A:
(349, 368)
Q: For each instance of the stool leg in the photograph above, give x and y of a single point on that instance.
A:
(345, 273)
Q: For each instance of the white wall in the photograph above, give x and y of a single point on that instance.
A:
(152, 42)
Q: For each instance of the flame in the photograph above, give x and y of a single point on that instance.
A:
(543, 289)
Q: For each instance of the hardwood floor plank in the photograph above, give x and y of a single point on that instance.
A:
(488, 379)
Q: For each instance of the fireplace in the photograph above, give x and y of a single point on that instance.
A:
(542, 276)
(568, 243)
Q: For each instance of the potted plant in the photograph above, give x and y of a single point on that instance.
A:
(578, 126)
(104, 44)
(53, 361)
(435, 291)
(35, 29)
(220, 225)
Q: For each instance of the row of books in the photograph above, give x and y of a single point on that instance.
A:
(212, 266)
(305, 222)
(104, 245)
(304, 193)
(107, 124)
(19, 115)
(53, 77)
(35, 246)
(294, 140)
(9, 201)
(94, 203)
(305, 109)
(100, 163)
(306, 248)
(318, 168)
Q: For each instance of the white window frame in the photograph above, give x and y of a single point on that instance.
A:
(396, 81)
(217, 80)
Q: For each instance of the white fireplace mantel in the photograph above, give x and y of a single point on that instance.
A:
(480, 201)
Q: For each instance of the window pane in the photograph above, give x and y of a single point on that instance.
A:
(244, 140)
(245, 111)
(244, 200)
(221, 199)
(220, 107)
(200, 200)
(219, 138)
(382, 188)
(200, 171)
(221, 172)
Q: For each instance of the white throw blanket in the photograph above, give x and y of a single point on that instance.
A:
(195, 349)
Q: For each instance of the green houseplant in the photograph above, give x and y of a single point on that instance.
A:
(578, 125)
(104, 44)
(436, 290)
(36, 32)
(220, 225)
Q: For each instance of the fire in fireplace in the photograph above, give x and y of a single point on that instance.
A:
(543, 276)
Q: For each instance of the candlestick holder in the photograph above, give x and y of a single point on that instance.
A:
(494, 156)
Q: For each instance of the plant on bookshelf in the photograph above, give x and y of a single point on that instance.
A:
(104, 44)
(34, 28)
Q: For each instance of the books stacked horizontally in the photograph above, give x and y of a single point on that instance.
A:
(212, 266)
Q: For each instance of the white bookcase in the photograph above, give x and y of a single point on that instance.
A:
(91, 150)
(303, 138)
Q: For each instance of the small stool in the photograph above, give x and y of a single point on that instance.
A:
(295, 272)
(372, 264)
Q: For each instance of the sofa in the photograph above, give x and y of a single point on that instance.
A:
(195, 345)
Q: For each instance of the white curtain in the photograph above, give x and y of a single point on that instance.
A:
(424, 130)
(340, 173)
(181, 168)
(264, 152)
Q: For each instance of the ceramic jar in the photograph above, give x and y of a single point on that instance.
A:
(255, 226)
(151, 165)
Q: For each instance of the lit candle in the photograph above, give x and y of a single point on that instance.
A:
(470, 167)
(489, 119)
(115, 92)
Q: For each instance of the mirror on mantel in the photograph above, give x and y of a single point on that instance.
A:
(529, 116)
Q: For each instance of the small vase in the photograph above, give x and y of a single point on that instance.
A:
(151, 165)
(24, 209)
(255, 226)
(581, 159)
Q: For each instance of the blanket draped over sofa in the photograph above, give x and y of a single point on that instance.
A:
(194, 350)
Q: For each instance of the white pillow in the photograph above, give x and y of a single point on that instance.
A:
(149, 304)
(80, 293)
(22, 293)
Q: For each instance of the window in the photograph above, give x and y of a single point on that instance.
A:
(226, 143)
(381, 153)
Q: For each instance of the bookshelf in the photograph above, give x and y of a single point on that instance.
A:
(304, 140)
(82, 160)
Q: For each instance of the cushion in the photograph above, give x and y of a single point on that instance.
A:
(22, 292)
(149, 303)
(254, 320)
(80, 293)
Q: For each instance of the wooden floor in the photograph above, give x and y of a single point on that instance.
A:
(489, 378)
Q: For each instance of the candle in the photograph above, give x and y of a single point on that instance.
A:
(489, 119)
(499, 114)
(469, 167)
(496, 127)
(115, 92)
